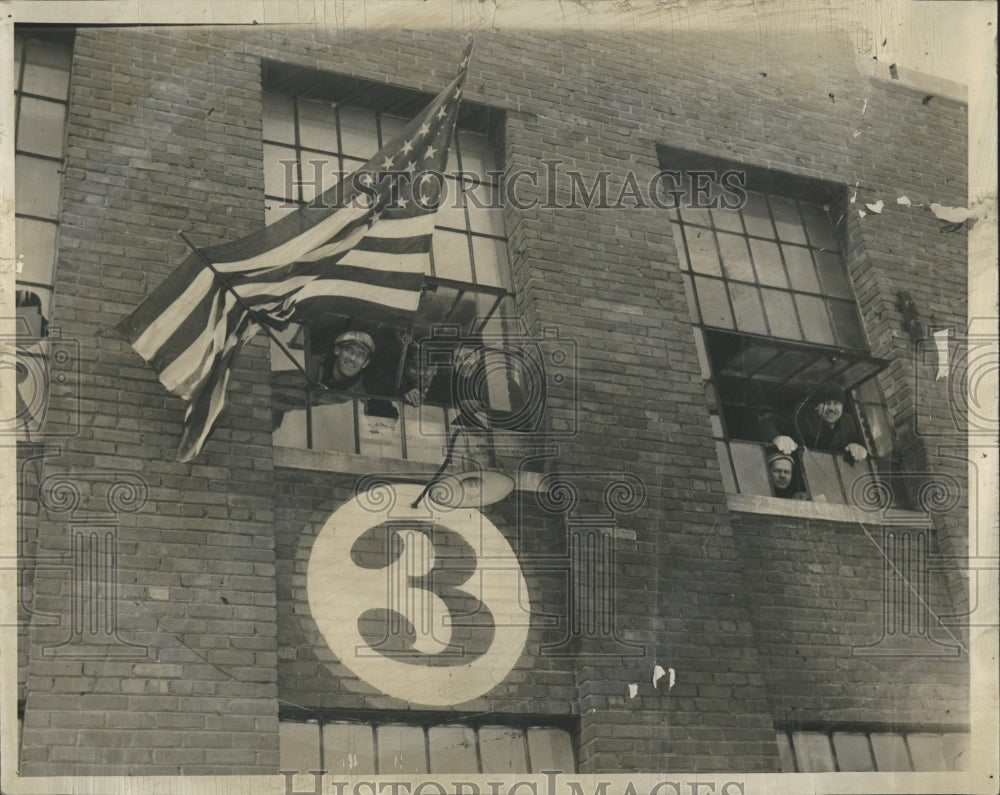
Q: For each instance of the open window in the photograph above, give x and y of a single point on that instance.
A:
(319, 128)
(776, 327)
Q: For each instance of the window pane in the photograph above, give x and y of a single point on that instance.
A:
(358, 133)
(956, 748)
(333, 426)
(37, 186)
(927, 751)
(800, 267)
(701, 251)
(728, 220)
(280, 171)
(451, 256)
(751, 469)
(785, 755)
(487, 217)
(319, 173)
(880, 428)
(40, 127)
(379, 432)
(453, 749)
(787, 220)
(714, 303)
(728, 480)
(476, 156)
(818, 226)
(812, 750)
(502, 749)
(815, 323)
(401, 750)
(451, 211)
(46, 69)
(833, 274)
(781, 314)
(279, 118)
(756, 216)
(822, 477)
(694, 215)
(853, 752)
(36, 242)
(735, 257)
(426, 432)
(890, 751)
(391, 127)
(846, 324)
(767, 261)
(317, 125)
(550, 749)
(348, 746)
(747, 308)
(490, 257)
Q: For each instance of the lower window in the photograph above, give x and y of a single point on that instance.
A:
(362, 747)
(869, 749)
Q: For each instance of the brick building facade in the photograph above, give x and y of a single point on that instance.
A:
(787, 632)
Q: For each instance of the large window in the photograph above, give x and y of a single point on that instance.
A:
(441, 744)
(42, 60)
(318, 129)
(41, 74)
(778, 330)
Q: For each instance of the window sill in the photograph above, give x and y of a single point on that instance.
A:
(828, 511)
(354, 464)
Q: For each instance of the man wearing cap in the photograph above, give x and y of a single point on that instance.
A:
(781, 472)
(827, 427)
(352, 351)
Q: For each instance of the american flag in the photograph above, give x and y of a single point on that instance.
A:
(360, 249)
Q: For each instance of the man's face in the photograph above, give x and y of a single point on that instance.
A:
(351, 360)
(781, 473)
(830, 411)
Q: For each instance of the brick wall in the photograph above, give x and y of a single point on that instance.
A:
(833, 647)
(165, 133)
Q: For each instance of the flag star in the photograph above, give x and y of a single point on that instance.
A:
(401, 202)
(375, 216)
(443, 112)
(431, 151)
(387, 163)
(411, 167)
(424, 129)
(407, 147)
(366, 179)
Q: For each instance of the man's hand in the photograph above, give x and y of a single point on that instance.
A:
(412, 397)
(785, 444)
(856, 451)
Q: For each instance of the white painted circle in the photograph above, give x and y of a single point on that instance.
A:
(450, 657)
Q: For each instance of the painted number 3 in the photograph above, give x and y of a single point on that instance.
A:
(425, 605)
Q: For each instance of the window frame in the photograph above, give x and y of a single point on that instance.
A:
(297, 85)
(731, 358)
